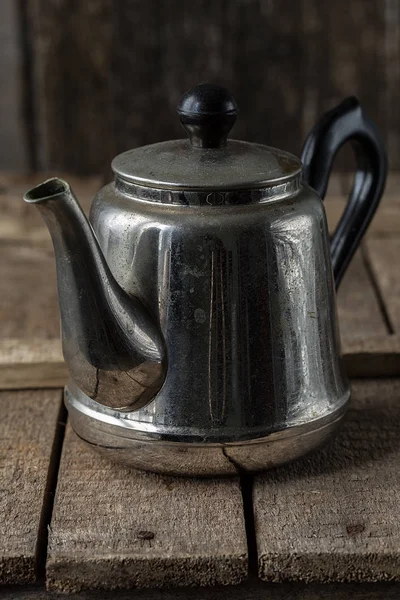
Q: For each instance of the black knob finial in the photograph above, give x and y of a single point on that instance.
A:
(208, 113)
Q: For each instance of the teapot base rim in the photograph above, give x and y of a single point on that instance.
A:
(206, 459)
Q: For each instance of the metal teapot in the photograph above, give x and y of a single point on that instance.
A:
(198, 302)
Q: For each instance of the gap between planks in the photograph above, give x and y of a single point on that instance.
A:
(50, 492)
(377, 290)
(333, 516)
(369, 402)
(361, 357)
(29, 435)
(114, 527)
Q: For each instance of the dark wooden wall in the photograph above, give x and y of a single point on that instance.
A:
(84, 80)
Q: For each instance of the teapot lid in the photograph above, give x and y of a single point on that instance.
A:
(207, 161)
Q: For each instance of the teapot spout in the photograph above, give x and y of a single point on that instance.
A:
(112, 345)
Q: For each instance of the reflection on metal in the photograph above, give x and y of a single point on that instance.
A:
(237, 301)
(113, 348)
(240, 300)
(164, 453)
(198, 304)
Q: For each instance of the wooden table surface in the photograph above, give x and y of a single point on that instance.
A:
(326, 526)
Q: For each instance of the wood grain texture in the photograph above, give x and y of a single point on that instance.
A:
(31, 364)
(27, 429)
(28, 299)
(21, 222)
(118, 528)
(70, 54)
(28, 305)
(392, 189)
(384, 258)
(358, 307)
(377, 356)
(389, 99)
(334, 516)
(107, 75)
(38, 363)
(247, 591)
(287, 63)
(13, 143)
(243, 46)
(386, 221)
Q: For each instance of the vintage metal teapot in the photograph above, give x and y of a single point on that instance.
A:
(198, 302)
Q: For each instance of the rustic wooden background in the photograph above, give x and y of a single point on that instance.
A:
(83, 80)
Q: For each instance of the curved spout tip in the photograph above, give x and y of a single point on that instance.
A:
(49, 189)
(113, 347)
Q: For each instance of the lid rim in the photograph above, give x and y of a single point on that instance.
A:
(211, 197)
(181, 187)
(176, 165)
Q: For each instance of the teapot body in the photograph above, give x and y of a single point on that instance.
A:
(244, 297)
(198, 305)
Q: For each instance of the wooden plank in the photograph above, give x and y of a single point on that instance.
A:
(384, 258)
(249, 591)
(342, 44)
(21, 222)
(31, 364)
(359, 311)
(29, 308)
(156, 59)
(358, 307)
(118, 528)
(386, 221)
(389, 100)
(38, 363)
(22, 270)
(392, 189)
(28, 302)
(377, 356)
(334, 516)
(70, 53)
(26, 363)
(313, 56)
(13, 144)
(27, 431)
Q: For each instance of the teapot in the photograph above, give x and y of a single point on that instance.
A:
(197, 302)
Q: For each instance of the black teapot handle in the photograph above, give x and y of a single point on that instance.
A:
(347, 122)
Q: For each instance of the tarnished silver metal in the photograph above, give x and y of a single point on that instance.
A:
(244, 299)
(176, 165)
(190, 197)
(113, 348)
(199, 320)
(120, 439)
